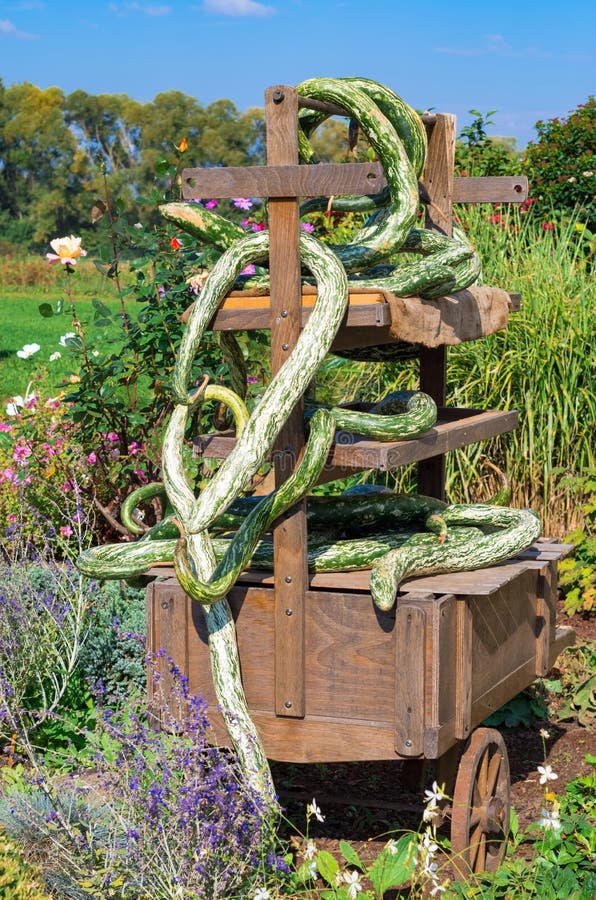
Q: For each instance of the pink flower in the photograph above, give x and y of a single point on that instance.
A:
(12, 518)
(307, 226)
(4, 426)
(133, 448)
(92, 458)
(30, 403)
(67, 487)
(211, 204)
(252, 379)
(66, 251)
(248, 270)
(66, 531)
(258, 226)
(245, 223)
(242, 202)
(141, 475)
(113, 437)
(548, 226)
(21, 454)
(7, 475)
(52, 403)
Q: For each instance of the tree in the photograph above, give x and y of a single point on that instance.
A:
(561, 163)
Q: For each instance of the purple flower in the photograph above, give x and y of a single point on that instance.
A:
(242, 202)
(252, 379)
(248, 270)
(210, 204)
(307, 226)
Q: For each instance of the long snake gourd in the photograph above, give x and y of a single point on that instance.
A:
(206, 566)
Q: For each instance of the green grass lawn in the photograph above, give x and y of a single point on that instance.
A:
(23, 324)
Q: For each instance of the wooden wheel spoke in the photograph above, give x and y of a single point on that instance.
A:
(482, 773)
(482, 792)
(494, 769)
(478, 854)
(475, 816)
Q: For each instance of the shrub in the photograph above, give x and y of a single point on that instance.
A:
(164, 815)
(17, 881)
(561, 163)
(112, 660)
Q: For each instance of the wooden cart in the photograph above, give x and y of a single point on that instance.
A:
(327, 676)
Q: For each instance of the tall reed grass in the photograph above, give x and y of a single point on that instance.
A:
(542, 365)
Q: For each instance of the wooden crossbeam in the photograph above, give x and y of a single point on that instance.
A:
(335, 179)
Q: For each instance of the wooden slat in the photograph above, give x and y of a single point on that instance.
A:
(333, 179)
(491, 189)
(350, 452)
(438, 180)
(283, 181)
(546, 591)
(289, 534)
(410, 643)
(231, 318)
(463, 670)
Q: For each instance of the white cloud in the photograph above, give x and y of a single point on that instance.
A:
(238, 8)
(149, 9)
(146, 9)
(496, 45)
(9, 29)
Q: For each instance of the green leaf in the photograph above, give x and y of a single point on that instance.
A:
(101, 309)
(350, 855)
(390, 869)
(46, 310)
(328, 866)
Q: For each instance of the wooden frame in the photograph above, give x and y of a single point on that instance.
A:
(327, 676)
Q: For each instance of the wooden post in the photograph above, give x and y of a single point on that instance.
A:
(438, 180)
(289, 535)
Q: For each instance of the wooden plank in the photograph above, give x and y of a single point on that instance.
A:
(464, 670)
(410, 644)
(333, 179)
(490, 189)
(289, 534)
(230, 318)
(546, 591)
(283, 180)
(438, 181)
(350, 452)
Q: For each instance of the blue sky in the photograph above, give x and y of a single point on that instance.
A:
(528, 60)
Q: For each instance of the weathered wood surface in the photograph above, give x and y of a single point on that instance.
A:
(455, 428)
(333, 179)
(438, 181)
(289, 533)
(427, 673)
(378, 317)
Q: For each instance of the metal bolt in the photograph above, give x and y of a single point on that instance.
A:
(284, 313)
(408, 743)
(289, 612)
(288, 579)
(277, 96)
(288, 704)
(284, 346)
(164, 604)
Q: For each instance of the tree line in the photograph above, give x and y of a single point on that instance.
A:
(60, 152)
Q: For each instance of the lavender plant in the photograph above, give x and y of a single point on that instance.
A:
(163, 815)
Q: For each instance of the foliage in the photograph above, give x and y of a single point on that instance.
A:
(165, 814)
(112, 659)
(561, 163)
(551, 335)
(42, 628)
(17, 881)
(572, 684)
(477, 154)
(523, 709)
(43, 478)
(56, 150)
(577, 572)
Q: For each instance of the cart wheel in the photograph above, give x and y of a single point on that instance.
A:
(481, 802)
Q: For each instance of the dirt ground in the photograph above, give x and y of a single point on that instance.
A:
(363, 801)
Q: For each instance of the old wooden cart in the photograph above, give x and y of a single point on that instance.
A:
(327, 676)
